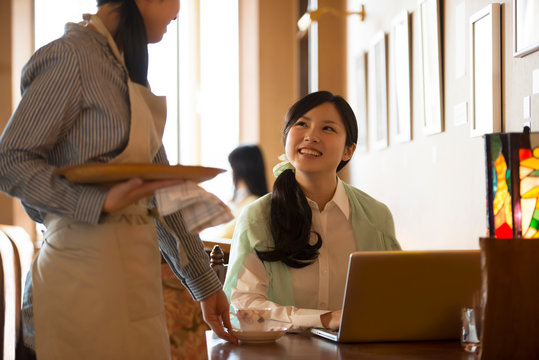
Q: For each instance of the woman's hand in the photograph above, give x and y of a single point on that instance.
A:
(126, 193)
(331, 320)
(215, 311)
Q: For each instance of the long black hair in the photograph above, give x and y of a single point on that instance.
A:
(291, 215)
(131, 39)
(247, 163)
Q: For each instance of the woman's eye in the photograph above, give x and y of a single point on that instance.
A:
(329, 128)
(301, 123)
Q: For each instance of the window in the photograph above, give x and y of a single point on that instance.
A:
(49, 19)
(209, 86)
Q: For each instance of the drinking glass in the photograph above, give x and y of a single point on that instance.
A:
(470, 338)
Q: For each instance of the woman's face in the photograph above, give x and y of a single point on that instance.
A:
(157, 14)
(316, 142)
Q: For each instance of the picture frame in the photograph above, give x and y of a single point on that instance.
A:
(361, 100)
(485, 71)
(378, 111)
(401, 85)
(431, 66)
(525, 27)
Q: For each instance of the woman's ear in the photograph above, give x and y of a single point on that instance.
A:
(348, 152)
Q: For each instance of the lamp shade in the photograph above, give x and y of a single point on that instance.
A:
(512, 180)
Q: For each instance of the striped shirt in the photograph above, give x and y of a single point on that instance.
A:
(75, 110)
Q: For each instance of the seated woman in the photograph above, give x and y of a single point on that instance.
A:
(249, 177)
(290, 249)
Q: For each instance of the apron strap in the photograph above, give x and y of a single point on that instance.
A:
(95, 21)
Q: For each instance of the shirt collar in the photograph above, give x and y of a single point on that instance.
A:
(340, 199)
(241, 194)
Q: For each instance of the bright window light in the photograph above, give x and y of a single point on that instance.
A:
(51, 16)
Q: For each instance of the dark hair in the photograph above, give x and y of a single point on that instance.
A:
(291, 215)
(131, 38)
(247, 164)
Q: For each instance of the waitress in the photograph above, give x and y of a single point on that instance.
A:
(94, 290)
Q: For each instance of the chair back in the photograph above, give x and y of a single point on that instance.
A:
(24, 251)
(217, 263)
(9, 310)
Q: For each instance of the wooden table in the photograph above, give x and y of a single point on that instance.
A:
(305, 346)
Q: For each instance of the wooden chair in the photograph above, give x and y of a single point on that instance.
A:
(217, 262)
(24, 252)
(224, 245)
(8, 279)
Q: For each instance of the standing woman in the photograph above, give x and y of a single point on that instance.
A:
(94, 290)
(290, 249)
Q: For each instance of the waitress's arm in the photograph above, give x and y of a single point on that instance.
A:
(197, 275)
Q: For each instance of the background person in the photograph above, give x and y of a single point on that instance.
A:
(249, 178)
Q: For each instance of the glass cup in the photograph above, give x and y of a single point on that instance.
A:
(470, 338)
(253, 319)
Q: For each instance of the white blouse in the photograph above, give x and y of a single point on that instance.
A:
(319, 287)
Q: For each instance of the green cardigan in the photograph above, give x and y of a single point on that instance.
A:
(372, 224)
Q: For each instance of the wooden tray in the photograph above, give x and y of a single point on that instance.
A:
(111, 173)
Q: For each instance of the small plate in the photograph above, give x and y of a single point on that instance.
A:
(258, 336)
(111, 173)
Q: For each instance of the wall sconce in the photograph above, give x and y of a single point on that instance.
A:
(306, 19)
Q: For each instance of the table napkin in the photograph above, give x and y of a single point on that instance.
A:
(200, 209)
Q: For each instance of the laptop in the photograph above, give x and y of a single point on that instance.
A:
(406, 295)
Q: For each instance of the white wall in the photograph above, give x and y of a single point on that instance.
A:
(435, 184)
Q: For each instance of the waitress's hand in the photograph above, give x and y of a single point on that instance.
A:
(331, 320)
(215, 310)
(126, 193)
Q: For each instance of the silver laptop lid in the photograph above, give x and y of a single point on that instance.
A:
(408, 295)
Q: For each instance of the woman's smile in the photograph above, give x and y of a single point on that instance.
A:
(310, 152)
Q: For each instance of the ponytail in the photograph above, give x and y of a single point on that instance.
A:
(131, 39)
(290, 225)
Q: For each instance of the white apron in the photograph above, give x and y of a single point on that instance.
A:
(97, 288)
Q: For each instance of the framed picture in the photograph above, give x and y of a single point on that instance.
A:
(401, 67)
(378, 90)
(361, 100)
(485, 65)
(431, 66)
(525, 27)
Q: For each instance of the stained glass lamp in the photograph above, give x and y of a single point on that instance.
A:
(512, 184)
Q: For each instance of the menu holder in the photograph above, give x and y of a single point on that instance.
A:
(510, 270)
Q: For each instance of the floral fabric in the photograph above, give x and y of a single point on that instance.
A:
(185, 325)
